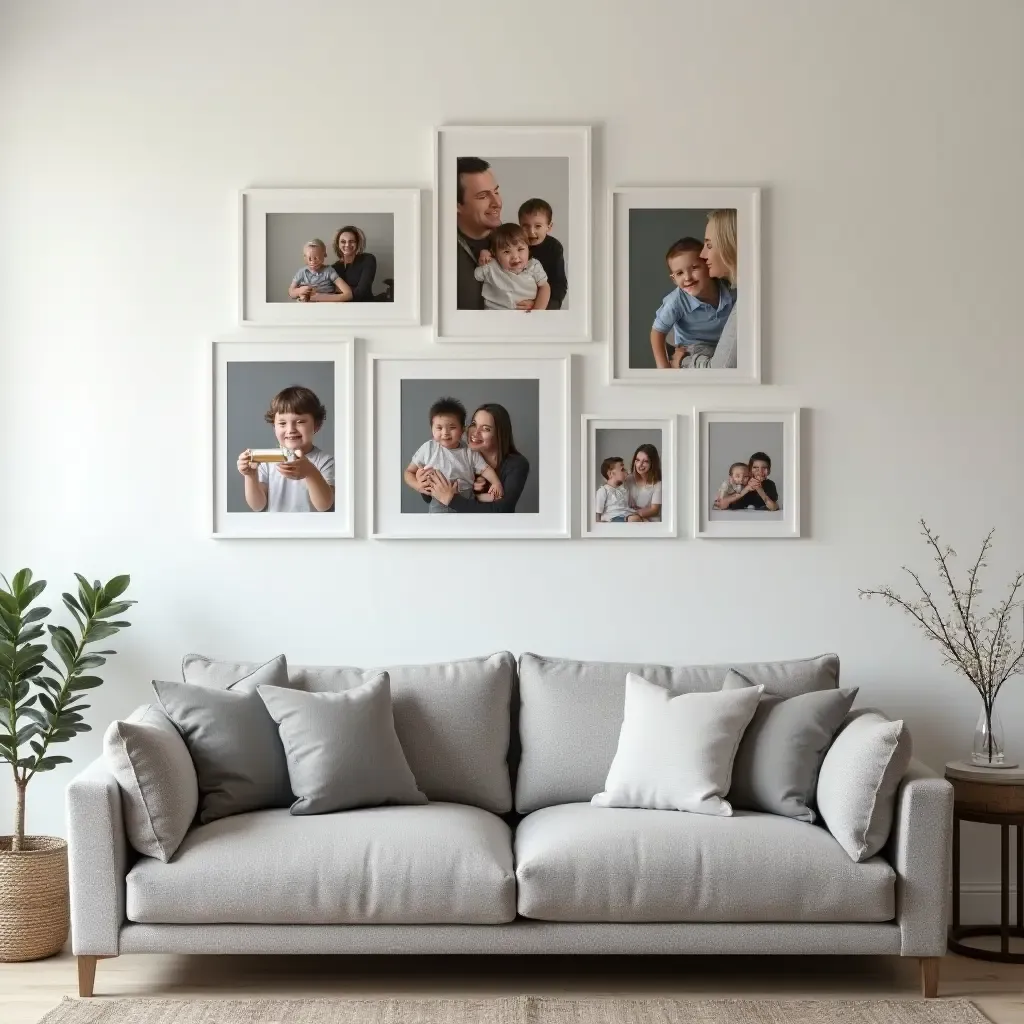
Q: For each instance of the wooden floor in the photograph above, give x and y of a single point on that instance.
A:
(28, 991)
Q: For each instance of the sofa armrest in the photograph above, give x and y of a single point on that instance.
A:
(98, 861)
(919, 851)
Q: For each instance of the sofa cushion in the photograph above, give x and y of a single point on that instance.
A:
(341, 748)
(582, 863)
(676, 753)
(431, 864)
(571, 711)
(452, 719)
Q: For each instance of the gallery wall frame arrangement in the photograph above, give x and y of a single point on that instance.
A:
(282, 430)
(746, 473)
(365, 271)
(684, 286)
(469, 448)
(526, 193)
(629, 477)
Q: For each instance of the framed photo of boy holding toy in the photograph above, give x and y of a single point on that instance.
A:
(512, 215)
(685, 291)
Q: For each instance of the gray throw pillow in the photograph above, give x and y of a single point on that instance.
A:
(159, 791)
(342, 748)
(777, 764)
(233, 741)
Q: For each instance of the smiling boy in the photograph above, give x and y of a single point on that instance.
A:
(536, 219)
(695, 311)
(305, 483)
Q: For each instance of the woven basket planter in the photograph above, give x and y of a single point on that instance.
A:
(35, 911)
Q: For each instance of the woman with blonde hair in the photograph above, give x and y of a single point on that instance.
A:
(356, 267)
(719, 253)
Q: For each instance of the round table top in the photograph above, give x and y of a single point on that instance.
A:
(969, 772)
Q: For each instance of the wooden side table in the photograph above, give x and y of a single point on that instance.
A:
(993, 796)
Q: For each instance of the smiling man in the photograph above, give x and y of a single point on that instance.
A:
(478, 205)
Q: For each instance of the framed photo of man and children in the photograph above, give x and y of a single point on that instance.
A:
(746, 473)
(469, 447)
(628, 475)
(330, 257)
(684, 288)
(282, 431)
(512, 212)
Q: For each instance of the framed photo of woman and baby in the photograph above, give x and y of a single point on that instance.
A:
(684, 286)
(512, 211)
(330, 257)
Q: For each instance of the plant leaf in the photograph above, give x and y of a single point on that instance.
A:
(35, 615)
(51, 761)
(114, 609)
(84, 683)
(22, 578)
(92, 661)
(99, 631)
(116, 587)
(30, 593)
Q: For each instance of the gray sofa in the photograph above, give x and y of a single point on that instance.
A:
(509, 856)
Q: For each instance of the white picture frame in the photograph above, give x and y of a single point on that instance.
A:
(401, 389)
(641, 262)
(263, 366)
(525, 156)
(590, 477)
(274, 224)
(775, 432)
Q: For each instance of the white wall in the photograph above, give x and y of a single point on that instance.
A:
(885, 134)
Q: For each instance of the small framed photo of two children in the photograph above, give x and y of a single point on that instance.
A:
(467, 448)
(747, 473)
(628, 474)
(512, 214)
(282, 439)
(685, 286)
(330, 257)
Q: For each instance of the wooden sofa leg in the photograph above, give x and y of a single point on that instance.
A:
(930, 976)
(87, 974)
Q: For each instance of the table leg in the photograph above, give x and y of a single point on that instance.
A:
(1004, 888)
(956, 870)
(1020, 876)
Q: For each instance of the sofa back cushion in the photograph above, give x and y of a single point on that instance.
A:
(452, 718)
(570, 714)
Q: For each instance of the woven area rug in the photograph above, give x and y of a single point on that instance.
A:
(518, 1010)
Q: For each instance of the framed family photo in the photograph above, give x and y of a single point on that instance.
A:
(330, 257)
(685, 287)
(469, 447)
(628, 474)
(282, 438)
(512, 214)
(747, 473)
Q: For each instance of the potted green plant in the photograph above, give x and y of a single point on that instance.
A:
(41, 704)
(976, 643)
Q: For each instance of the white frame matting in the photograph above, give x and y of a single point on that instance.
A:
(386, 372)
(589, 478)
(340, 523)
(253, 206)
(747, 203)
(571, 324)
(702, 487)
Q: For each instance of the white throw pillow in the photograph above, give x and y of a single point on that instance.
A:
(676, 753)
(858, 781)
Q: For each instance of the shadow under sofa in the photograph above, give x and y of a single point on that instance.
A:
(509, 856)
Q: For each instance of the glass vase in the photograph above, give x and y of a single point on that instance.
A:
(988, 747)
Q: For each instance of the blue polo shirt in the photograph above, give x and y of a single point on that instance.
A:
(694, 321)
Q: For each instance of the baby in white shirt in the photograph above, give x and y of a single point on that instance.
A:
(511, 278)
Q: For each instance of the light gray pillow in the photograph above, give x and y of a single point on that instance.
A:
(675, 753)
(159, 790)
(342, 748)
(780, 755)
(233, 741)
(858, 782)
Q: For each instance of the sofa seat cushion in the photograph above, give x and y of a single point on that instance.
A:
(576, 862)
(430, 864)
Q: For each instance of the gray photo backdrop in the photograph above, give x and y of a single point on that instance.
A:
(622, 443)
(287, 234)
(520, 397)
(651, 232)
(250, 387)
(534, 177)
(736, 442)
